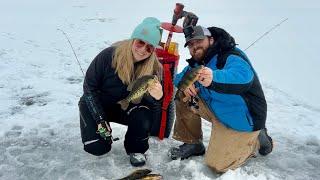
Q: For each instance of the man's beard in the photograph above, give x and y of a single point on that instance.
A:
(199, 54)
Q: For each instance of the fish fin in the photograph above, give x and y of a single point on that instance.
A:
(152, 177)
(137, 101)
(124, 104)
(176, 97)
(156, 78)
(130, 86)
(147, 93)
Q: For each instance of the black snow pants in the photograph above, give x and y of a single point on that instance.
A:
(139, 119)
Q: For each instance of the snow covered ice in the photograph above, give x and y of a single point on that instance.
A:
(41, 83)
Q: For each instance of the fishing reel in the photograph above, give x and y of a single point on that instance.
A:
(193, 103)
(105, 131)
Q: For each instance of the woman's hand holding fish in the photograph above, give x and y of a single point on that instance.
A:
(205, 77)
(155, 90)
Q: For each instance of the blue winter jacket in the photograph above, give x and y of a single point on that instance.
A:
(235, 95)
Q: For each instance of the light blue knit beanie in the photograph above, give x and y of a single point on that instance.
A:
(148, 30)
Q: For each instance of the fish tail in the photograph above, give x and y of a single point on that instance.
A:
(124, 104)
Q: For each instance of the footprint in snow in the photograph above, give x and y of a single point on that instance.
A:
(39, 99)
(74, 80)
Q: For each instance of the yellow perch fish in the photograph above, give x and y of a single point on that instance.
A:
(189, 78)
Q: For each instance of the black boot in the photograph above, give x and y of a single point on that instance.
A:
(185, 151)
(266, 144)
(137, 159)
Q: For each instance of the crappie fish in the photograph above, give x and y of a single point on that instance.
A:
(138, 88)
(137, 174)
(189, 78)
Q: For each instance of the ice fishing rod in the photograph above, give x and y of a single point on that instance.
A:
(75, 55)
(104, 132)
(267, 32)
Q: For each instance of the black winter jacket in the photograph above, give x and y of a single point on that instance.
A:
(106, 87)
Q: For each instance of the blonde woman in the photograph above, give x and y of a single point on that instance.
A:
(106, 81)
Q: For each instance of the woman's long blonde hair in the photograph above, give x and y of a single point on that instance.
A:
(123, 63)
